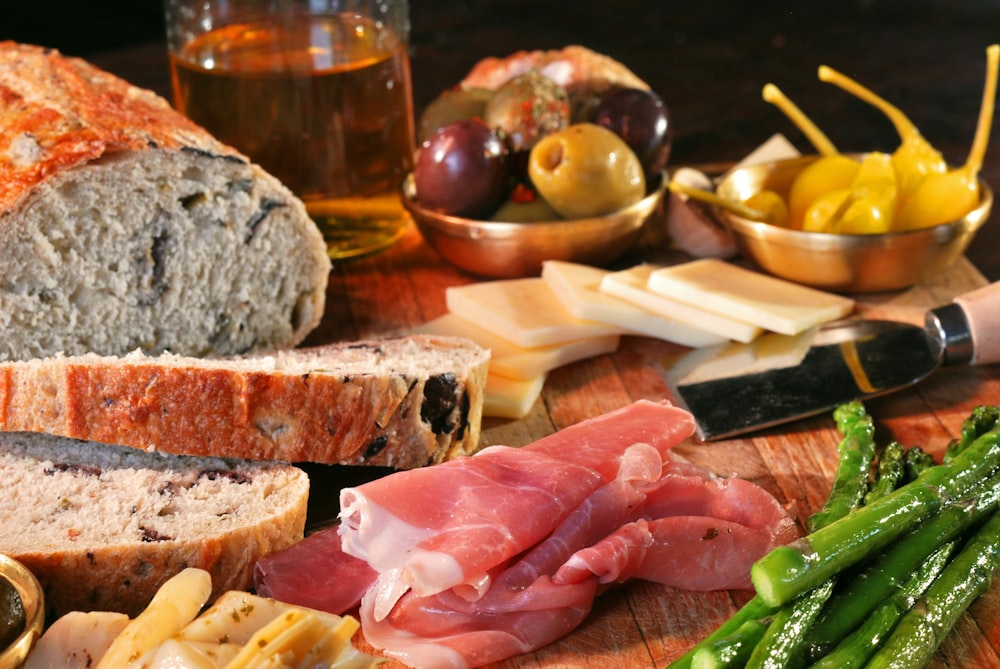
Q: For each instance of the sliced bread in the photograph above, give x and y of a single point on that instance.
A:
(123, 225)
(103, 527)
(399, 402)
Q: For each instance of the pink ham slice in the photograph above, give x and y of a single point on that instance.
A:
(486, 557)
(450, 526)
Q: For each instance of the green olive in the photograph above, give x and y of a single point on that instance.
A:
(454, 104)
(537, 210)
(586, 170)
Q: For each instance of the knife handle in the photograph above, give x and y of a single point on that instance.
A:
(982, 313)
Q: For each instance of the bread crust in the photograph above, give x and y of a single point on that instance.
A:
(381, 410)
(59, 112)
(580, 70)
(125, 225)
(78, 514)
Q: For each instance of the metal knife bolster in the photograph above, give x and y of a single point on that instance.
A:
(948, 328)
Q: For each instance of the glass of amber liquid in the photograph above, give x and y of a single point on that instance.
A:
(317, 92)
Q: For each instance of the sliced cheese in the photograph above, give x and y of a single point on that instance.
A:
(523, 311)
(511, 398)
(766, 301)
(518, 362)
(631, 286)
(578, 289)
(767, 352)
(777, 147)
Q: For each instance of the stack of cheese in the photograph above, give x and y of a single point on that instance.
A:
(573, 311)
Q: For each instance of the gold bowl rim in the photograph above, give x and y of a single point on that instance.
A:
(32, 597)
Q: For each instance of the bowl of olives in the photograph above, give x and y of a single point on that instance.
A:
(836, 243)
(506, 179)
(22, 612)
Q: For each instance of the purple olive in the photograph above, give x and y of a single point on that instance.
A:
(461, 169)
(641, 119)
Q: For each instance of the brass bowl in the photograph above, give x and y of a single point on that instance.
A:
(838, 262)
(506, 250)
(32, 599)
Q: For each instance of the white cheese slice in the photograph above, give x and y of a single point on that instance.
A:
(523, 311)
(578, 288)
(769, 351)
(777, 147)
(510, 398)
(631, 286)
(518, 362)
(767, 301)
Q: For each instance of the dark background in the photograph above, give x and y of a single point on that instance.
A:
(708, 60)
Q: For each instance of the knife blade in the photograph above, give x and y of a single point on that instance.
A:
(736, 388)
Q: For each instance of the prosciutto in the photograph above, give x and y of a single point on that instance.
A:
(481, 558)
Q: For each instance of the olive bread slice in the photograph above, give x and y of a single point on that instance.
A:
(103, 527)
(398, 402)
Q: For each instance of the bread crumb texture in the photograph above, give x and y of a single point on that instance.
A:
(103, 526)
(124, 226)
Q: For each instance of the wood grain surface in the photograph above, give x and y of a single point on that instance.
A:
(645, 625)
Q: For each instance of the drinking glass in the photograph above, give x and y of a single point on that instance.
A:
(317, 92)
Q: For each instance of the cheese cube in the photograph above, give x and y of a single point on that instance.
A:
(766, 301)
(511, 398)
(631, 286)
(578, 288)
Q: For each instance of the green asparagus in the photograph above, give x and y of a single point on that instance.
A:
(916, 460)
(879, 579)
(731, 651)
(924, 627)
(855, 649)
(790, 570)
(891, 471)
(980, 421)
(784, 640)
(857, 451)
(754, 610)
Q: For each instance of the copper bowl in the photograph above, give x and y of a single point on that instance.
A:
(32, 600)
(503, 250)
(838, 262)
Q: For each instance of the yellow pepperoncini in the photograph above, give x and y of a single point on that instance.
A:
(866, 207)
(915, 159)
(945, 197)
(832, 171)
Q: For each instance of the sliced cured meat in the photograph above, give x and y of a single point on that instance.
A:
(316, 573)
(486, 557)
(449, 526)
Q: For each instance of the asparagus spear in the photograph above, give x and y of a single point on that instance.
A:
(980, 421)
(878, 580)
(790, 570)
(925, 626)
(753, 611)
(891, 471)
(731, 651)
(915, 461)
(855, 649)
(784, 640)
(856, 451)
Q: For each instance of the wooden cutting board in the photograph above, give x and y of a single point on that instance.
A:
(645, 625)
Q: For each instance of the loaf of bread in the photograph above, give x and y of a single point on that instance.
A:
(584, 73)
(102, 527)
(123, 225)
(400, 402)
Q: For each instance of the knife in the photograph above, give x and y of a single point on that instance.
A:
(734, 388)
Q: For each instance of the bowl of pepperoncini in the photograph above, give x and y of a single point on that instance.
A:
(22, 612)
(830, 245)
